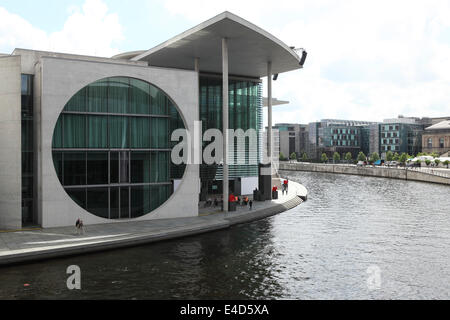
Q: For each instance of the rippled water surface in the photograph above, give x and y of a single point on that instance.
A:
(320, 250)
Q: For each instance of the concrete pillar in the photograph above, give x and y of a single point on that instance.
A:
(269, 110)
(10, 141)
(225, 123)
(197, 143)
(197, 65)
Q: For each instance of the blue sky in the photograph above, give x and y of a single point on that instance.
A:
(368, 60)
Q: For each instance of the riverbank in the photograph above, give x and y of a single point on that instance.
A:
(33, 245)
(381, 172)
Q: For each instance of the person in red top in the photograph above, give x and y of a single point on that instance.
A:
(275, 188)
(232, 198)
(286, 183)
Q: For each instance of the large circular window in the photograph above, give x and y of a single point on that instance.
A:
(111, 148)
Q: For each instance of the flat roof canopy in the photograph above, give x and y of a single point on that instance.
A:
(249, 49)
(275, 102)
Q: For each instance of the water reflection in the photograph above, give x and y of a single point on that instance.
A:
(319, 250)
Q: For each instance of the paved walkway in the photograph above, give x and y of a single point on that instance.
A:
(22, 246)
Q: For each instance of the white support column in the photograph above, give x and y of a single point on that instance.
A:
(197, 65)
(197, 143)
(269, 110)
(225, 123)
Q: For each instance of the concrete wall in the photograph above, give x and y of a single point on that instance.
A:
(60, 80)
(392, 173)
(29, 58)
(10, 142)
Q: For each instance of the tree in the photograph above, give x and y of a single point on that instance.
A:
(304, 157)
(293, 156)
(374, 157)
(446, 162)
(348, 157)
(282, 157)
(324, 158)
(396, 157)
(435, 155)
(403, 158)
(389, 156)
(437, 161)
(361, 156)
(428, 162)
(336, 157)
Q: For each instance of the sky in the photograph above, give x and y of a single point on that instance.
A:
(367, 60)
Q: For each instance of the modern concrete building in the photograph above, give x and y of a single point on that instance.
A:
(292, 138)
(400, 137)
(90, 137)
(331, 135)
(436, 138)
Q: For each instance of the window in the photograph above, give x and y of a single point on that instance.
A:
(441, 142)
(430, 143)
(111, 147)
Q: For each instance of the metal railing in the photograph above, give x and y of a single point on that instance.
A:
(430, 171)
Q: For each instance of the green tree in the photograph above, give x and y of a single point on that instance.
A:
(374, 157)
(324, 158)
(293, 156)
(428, 162)
(396, 157)
(304, 157)
(361, 156)
(282, 157)
(437, 161)
(446, 162)
(403, 158)
(389, 156)
(435, 155)
(336, 157)
(348, 157)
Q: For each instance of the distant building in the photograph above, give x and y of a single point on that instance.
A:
(331, 135)
(436, 138)
(400, 137)
(292, 138)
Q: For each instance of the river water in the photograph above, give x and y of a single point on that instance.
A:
(355, 238)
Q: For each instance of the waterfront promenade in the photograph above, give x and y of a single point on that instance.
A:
(412, 174)
(38, 244)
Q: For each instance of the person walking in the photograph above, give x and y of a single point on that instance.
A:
(77, 225)
(81, 226)
(251, 204)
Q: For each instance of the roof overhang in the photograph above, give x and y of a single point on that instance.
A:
(275, 102)
(250, 48)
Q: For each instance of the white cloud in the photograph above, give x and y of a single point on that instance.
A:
(89, 30)
(367, 60)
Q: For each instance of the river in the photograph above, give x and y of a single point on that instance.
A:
(355, 238)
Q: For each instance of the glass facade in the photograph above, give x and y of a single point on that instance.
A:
(28, 216)
(111, 148)
(401, 138)
(245, 112)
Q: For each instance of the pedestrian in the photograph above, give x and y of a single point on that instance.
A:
(77, 225)
(81, 226)
(251, 204)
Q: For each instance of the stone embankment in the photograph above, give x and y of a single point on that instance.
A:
(370, 171)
